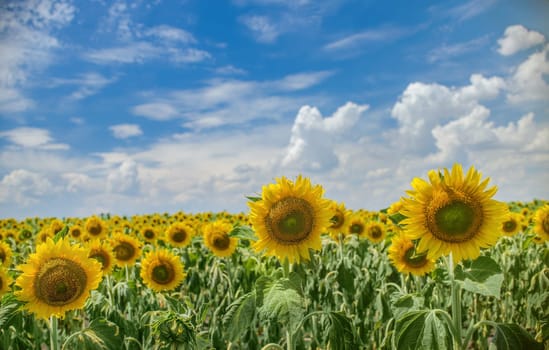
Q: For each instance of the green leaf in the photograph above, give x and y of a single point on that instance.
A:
(340, 333)
(421, 330)
(253, 198)
(240, 315)
(482, 276)
(490, 287)
(101, 334)
(396, 218)
(283, 303)
(61, 234)
(510, 336)
(478, 270)
(243, 232)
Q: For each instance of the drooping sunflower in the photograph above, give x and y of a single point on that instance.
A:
(5, 281)
(289, 218)
(57, 278)
(339, 221)
(406, 259)
(101, 251)
(453, 213)
(541, 222)
(375, 231)
(95, 227)
(217, 239)
(179, 234)
(512, 224)
(126, 248)
(162, 270)
(5, 254)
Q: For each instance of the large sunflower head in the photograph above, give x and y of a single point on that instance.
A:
(406, 259)
(453, 213)
(5, 281)
(289, 218)
(340, 220)
(217, 239)
(126, 248)
(162, 270)
(101, 251)
(57, 278)
(541, 222)
(95, 227)
(5, 254)
(179, 234)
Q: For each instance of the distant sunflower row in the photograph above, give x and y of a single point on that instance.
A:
(453, 214)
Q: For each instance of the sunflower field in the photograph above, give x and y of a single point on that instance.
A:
(445, 267)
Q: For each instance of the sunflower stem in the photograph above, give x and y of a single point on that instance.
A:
(289, 340)
(286, 268)
(54, 340)
(456, 304)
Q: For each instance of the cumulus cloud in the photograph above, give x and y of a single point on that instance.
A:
(24, 187)
(529, 81)
(517, 38)
(124, 131)
(313, 138)
(124, 178)
(28, 137)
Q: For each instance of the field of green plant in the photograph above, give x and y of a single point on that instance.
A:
(349, 295)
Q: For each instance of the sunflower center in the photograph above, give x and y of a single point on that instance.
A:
(2, 255)
(337, 220)
(76, 233)
(545, 224)
(1, 283)
(415, 260)
(453, 217)
(509, 225)
(222, 242)
(149, 234)
(356, 228)
(290, 220)
(163, 274)
(60, 281)
(376, 232)
(124, 251)
(179, 236)
(95, 229)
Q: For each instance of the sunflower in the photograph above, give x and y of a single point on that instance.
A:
(339, 220)
(179, 234)
(57, 278)
(511, 225)
(541, 222)
(76, 232)
(375, 231)
(5, 281)
(95, 227)
(5, 254)
(289, 218)
(43, 236)
(149, 234)
(126, 248)
(216, 238)
(406, 259)
(162, 270)
(102, 251)
(453, 213)
(357, 225)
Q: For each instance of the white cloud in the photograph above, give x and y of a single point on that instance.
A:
(372, 35)
(302, 81)
(137, 52)
(156, 110)
(28, 137)
(445, 52)
(125, 178)
(470, 9)
(528, 82)
(124, 131)
(230, 70)
(313, 137)
(88, 84)
(517, 38)
(170, 33)
(27, 45)
(261, 27)
(24, 187)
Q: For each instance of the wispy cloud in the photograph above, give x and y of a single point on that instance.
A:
(470, 9)
(28, 137)
(124, 131)
(446, 52)
(262, 28)
(88, 84)
(368, 36)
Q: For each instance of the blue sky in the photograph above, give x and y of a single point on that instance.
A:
(135, 107)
